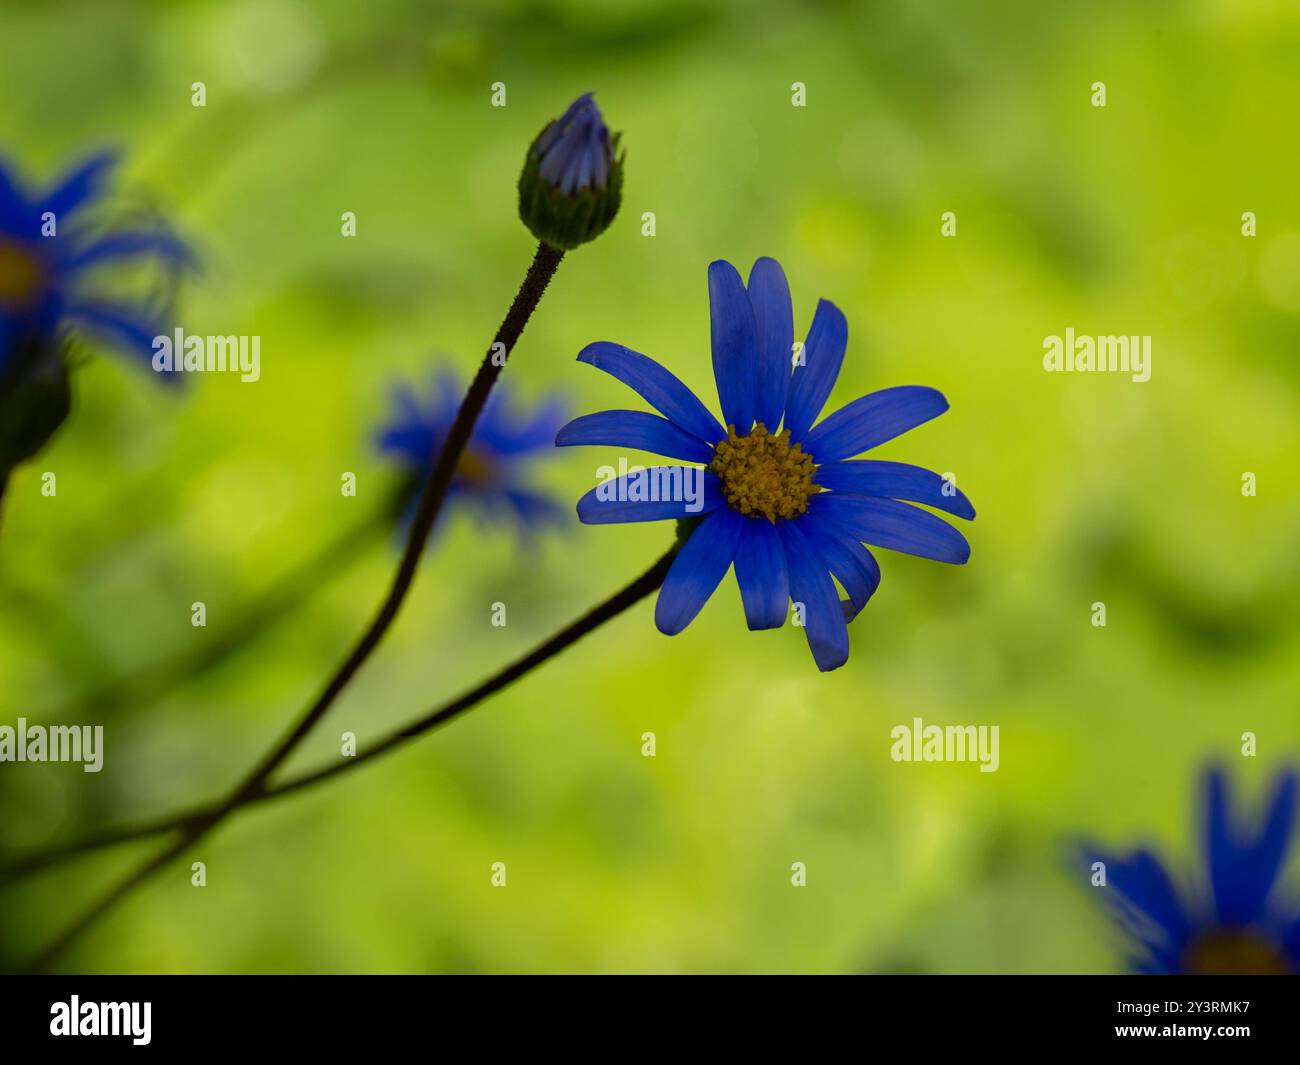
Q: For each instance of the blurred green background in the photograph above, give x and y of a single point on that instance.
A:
(1089, 488)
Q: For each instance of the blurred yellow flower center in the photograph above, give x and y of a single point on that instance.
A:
(474, 468)
(764, 474)
(21, 274)
(1236, 952)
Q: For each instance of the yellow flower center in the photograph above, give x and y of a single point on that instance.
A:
(1236, 952)
(474, 469)
(22, 274)
(764, 474)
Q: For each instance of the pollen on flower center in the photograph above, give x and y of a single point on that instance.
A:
(764, 474)
(21, 275)
(1236, 951)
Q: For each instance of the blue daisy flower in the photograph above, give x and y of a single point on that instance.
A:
(1235, 924)
(790, 508)
(52, 251)
(492, 476)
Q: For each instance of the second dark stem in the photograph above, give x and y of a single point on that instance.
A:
(545, 262)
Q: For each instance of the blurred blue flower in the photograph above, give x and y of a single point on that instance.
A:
(53, 249)
(492, 476)
(1235, 924)
(788, 508)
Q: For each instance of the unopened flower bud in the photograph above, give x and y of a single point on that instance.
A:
(572, 182)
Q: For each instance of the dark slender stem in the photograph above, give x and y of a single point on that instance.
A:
(151, 682)
(147, 684)
(566, 637)
(104, 904)
(545, 262)
(609, 609)
(33, 863)
(199, 822)
(4, 486)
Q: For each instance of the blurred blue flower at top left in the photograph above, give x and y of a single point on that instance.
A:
(53, 248)
(494, 476)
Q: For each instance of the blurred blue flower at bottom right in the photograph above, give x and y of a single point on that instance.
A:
(1238, 922)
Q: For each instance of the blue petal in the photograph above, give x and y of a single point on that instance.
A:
(823, 354)
(127, 245)
(573, 172)
(769, 296)
(1243, 872)
(1221, 853)
(534, 510)
(78, 186)
(123, 326)
(873, 419)
(506, 429)
(697, 571)
(735, 350)
(409, 435)
(811, 585)
(415, 444)
(1291, 940)
(897, 526)
(656, 386)
(1269, 849)
(603, 153)
(852, 564)
(608, 504)
(1143, 897)
(895, 480)
(761, 574)
(575, 149)
(635, 429)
